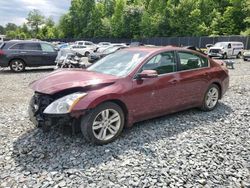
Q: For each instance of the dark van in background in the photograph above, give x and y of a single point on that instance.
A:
(20, 54)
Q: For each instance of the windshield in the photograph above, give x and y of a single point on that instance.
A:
(220, 44)
(118, 64)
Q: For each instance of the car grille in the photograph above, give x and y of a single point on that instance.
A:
(214, 51)
(40, 102)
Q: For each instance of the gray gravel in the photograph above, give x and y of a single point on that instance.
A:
(187, 149)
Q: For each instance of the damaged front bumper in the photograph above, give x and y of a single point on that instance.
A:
(36, 107)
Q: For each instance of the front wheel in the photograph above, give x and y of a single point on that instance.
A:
(224, 56)
(211, 98)
(103, 124)
(86, 54)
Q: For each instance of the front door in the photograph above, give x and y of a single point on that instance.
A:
(155, 96)
(49, 54)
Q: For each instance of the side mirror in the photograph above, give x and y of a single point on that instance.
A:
(56, 49)
(147, 74)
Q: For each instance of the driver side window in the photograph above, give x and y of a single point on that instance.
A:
(163, 63)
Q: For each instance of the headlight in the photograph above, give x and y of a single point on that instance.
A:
(65, 104)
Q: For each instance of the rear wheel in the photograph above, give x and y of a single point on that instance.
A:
(17, 65)
(211, 98)
(103, 124)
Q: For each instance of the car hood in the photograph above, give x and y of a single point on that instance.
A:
(66, 79)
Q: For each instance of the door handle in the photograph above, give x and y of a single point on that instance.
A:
(23, 52)
(173, 81)
(45, 53)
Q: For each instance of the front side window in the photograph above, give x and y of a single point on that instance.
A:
(189, 61)
(47, 47)
(31, 46)
(163, 63)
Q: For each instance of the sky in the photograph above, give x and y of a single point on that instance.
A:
(15, 11)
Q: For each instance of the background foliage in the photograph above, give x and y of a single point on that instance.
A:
(138, 19)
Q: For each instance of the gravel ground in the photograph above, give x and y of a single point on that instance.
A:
(186, 149)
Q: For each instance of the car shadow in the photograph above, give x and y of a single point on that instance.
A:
(58, 150)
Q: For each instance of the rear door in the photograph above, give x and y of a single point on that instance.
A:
(192, 79)
(49, 54)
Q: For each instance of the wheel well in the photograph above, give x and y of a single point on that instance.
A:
(216, 83)
(122, 105)
(17, 59)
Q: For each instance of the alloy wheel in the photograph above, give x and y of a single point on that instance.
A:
(106, 124)
(17, 66)
(212, 97)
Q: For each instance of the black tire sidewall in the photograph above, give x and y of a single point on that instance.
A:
(14, 60)
(87, 122)
(204, 104)
(86, 54)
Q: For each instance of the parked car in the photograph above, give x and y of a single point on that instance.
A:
(246, 56)
(19, 54)
(93, 57)
(103, 44)
(194, 48)
(226, 49)
(102, 48)
(131, 85)
(88, 44)
(84, 50)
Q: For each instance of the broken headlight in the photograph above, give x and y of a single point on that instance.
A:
(65, 104)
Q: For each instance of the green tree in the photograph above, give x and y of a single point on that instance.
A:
(35, 20)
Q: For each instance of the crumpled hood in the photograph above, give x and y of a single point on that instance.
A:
(65, 79)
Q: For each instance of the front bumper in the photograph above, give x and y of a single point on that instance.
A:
(38, 118)
(215, 55)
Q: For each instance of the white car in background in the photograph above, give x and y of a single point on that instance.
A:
(81, 49)
(226, 49)
(88, 44)
(102, 48)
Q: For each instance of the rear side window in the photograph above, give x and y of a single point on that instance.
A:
(189, 61)
(47, 47)
(31, 46)
(17, 47)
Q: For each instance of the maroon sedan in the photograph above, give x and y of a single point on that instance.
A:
(131, 85)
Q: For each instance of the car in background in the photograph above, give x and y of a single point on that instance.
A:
(81, 49)
(103, 44)
(195, 49)
(88, 44)
(102, 48)
(246, 56)
(131, 85)
(93, 57)
(18, 54)
(226, 49)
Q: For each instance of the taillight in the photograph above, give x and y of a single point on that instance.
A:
(1, 52)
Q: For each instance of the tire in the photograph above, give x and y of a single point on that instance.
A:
(224, 56)
(17, 65)
(209, 96)
(100, 133)
(86, 54)
(238, 55)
